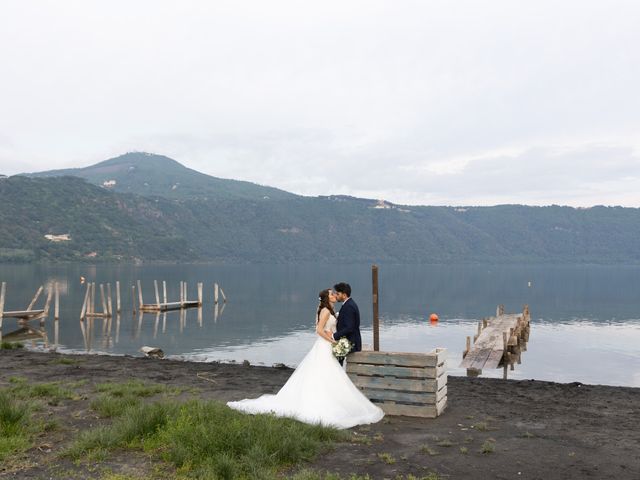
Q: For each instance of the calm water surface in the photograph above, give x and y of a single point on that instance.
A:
(585, 319)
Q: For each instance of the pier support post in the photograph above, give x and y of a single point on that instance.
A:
(118, 305)
(376, 318)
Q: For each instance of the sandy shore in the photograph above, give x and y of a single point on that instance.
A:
(538, 430)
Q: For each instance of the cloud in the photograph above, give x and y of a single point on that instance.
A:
(417, 102)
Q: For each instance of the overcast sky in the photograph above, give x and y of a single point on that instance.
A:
(425, 102)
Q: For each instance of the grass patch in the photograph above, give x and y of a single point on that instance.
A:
(64, 361)
(14, 425)
(387, 458)
(464, 450)
(208, 439)
(52, 392)
(135, 388)
(11, 345)
(445, 442)
(428, 450)
(488, 447)
(480, 426)
(109, 407)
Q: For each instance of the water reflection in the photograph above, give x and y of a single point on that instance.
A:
(270, 316)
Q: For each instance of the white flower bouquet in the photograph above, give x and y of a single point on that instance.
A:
(342, 348)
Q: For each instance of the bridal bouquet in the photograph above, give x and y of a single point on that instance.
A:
(342, 347)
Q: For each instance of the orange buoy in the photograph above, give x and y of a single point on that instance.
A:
(433, 318)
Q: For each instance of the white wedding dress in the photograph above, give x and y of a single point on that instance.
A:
(318, 392)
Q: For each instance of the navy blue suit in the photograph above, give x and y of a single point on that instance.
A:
(349, 324)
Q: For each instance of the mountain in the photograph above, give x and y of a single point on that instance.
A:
(148, 174)
(68, 218)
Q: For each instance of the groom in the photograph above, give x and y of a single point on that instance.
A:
(348, 319)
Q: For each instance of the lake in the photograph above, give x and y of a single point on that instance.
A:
(585, 320)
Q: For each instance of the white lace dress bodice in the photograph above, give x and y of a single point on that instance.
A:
(318, 392)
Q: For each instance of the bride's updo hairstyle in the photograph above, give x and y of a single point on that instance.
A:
(324, 303)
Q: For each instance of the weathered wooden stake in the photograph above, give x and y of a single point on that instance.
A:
(86, 301)
(164, 291)
(35, 298)
(56, 308)
(215, 293)
(109, 304)
(133, 298)
(181, 291)
(468, 347)
(155, 286)
(224, 297)
(93, 297)
(118, 309)
(48, 302)
(185, 297)
(376, 319)
(104, 299)
(200, 294)
(3, 289)
(140, 302)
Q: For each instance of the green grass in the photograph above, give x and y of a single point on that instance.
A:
(481, 426)
(387, 458)
(209, 440)
(11, 345)
(488, 447)
(135, 388)
(14, 425)
(64, 361)
(445, 442)
(52, 392)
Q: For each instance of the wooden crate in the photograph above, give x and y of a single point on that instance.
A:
(410, 384)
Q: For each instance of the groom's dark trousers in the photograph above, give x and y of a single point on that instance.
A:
(349, 325)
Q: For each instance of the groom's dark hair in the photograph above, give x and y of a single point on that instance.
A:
(343, 288)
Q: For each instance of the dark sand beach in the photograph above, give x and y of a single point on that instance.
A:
(535, 429)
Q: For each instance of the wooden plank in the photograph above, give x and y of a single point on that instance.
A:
(23, 313)
(155, 286)
(399, 359)
(103, 299)
(83, 311)
(426, 411)
(426, 398)
(481, 359)
(408, 385)
(393, 371)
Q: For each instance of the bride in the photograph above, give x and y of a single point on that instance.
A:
(319, 390)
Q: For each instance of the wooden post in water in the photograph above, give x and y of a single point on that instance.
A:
(85, 303)
(215, 293)
(140, 302)
(109, 304)
(376, 318)
(133, 298)
(48, 302)
(118, 309)
(164, 291)
(181, 299)
(504, 355)
(224, 297)
(104, 299)
(3, 290)
(56, 308)
(186, 297)
(93, 297)
(155, 286)
(199, 294)
(35, 298)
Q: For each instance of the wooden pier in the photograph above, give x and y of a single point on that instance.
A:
(30, 313)
(163, 306)
(500, 340)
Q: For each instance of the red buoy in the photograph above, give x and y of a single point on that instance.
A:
(433, 318)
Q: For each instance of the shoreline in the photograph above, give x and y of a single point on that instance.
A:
(579, 430)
